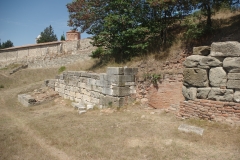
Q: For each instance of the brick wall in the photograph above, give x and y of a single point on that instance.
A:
(211, 110)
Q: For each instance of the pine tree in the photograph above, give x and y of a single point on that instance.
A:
(47, 35)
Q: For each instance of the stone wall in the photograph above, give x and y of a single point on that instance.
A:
(106, 89)
(52, 54)
(212, 74)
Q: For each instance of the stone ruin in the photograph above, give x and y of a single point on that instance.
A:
(86, 89)
(211, 84)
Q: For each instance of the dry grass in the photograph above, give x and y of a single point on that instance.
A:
(55, 130)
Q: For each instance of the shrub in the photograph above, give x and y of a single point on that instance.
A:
(61, 69)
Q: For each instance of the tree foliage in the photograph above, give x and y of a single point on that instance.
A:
(47, 35)
(126, 28)
(63, 37)
(6, 44)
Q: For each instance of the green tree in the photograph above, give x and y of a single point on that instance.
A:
(63, 37)
(123, 29)
(6, 44)
(47, 35)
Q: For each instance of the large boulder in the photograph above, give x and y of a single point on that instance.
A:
(231, 63)
(233, 75)
(189, 93)
(202, 93)
(236, 96)
(217, 77)
(195, 77)
(210, 61)
(225, 49)
(201, 50)
(192, 61)
(235, 84)
(221, 94)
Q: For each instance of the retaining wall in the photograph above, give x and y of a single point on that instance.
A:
(50, 54)
(113, 88)
(212, 74)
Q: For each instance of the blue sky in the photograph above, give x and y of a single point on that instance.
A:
(21, 21)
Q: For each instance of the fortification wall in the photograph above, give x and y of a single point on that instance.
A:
(211, 83)
(52, 54)
(112, 88)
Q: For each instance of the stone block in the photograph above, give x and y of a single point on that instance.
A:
(95, 76)
(189, 93)
(210, 61)
(107, 91)
(195, 77)
(121, 91)
(234, 76)
(221, 94)
(201, 50)
(192, 61)
(217, 77)
(233, 84)
(231, 63)
(26, 100)
(115, 71)
(130, 71)
(236, 96)
(117, 80)
(225, 49)
(129, 78)
(202, 93)
(188, 128)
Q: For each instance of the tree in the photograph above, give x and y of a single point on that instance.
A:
(47, 35)
(123, 29)
(63, 37)
(6, 44)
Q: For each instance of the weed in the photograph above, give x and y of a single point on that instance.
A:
(61, 69)
(110, 104)
(1, 86)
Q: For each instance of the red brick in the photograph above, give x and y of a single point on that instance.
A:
(236, 111)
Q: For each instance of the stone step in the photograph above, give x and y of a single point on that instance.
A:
(82, 111)
(79, 106)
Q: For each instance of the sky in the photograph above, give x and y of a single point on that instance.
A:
(21, 21)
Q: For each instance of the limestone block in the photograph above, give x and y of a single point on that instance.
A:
(78, 95)
(201, 50)
(217, 77)
(86, 98)
(192, 61)
(95, 100)
(86, 74)
(195, 77)
(121, 91)
(81, 85)
(117, 80)
(115, 71)
(221, 94)
(130, 83)
(236, 96)
(225, 49)
(95, 76)
(210, 61)
(94, 94)
(233, 75)
(233, 84)
(130, 71)
(107, 91)
(189, 93)
(202, 93)
(231, 63)
(129, 78)
(237, 70)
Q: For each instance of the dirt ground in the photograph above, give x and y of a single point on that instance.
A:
(55, 130)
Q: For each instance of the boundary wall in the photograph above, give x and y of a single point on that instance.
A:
(113, 88)
(211, 83)
(50, 54)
